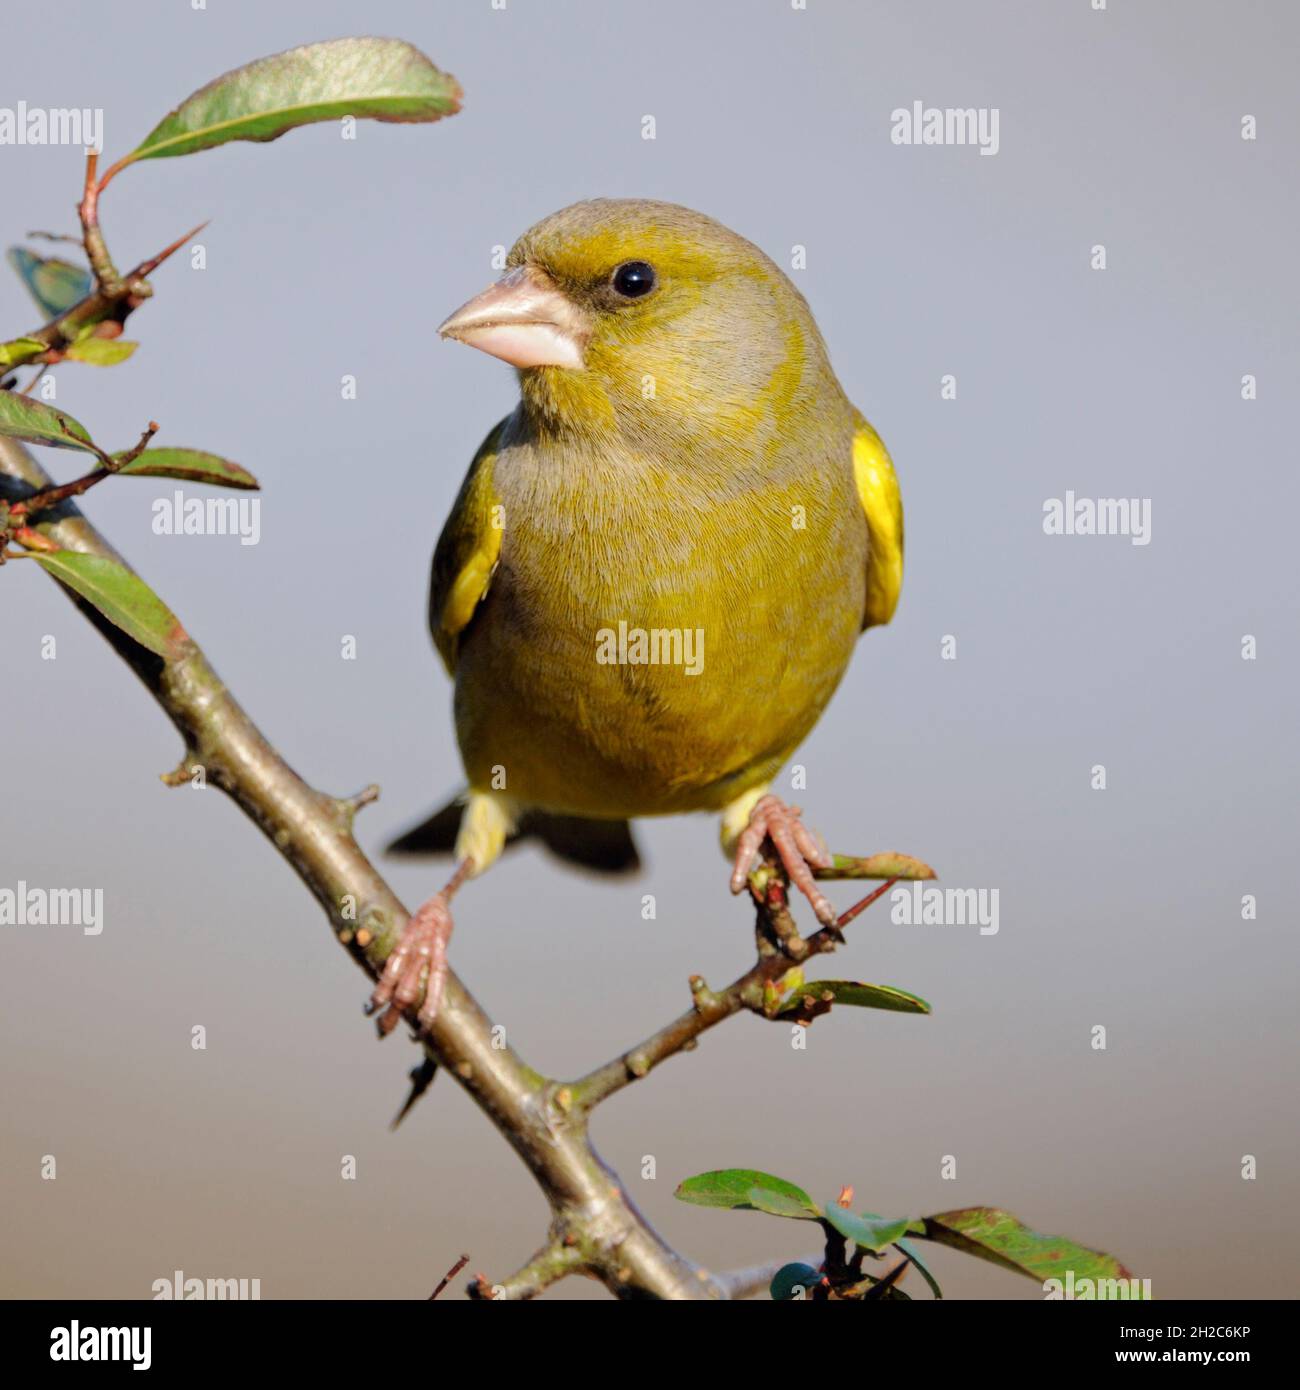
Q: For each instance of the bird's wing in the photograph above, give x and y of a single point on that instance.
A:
(466, 554)
(882, 502)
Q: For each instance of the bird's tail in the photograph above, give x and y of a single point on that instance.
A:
(600, 846)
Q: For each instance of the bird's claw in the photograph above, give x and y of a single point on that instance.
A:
(417, 968)
(796, 847)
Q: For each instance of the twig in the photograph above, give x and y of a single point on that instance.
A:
(113, 300)
(846, 917)
(745, 1283)
(52, 496)
(449, 1276)
(552, 1262)
(710, 1008)
(41, 374)
(308, 828)
(92, 238)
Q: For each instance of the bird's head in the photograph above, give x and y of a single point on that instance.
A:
(638, 317)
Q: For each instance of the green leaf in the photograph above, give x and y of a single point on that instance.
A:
(385, 79)
(190, 464)
(36, 423)
(20, 350)
(997, 1236)
(922, 1268)
(790, 1278)
(887, 865)
(55, 285)
(872, 1233)
(101, 352)
(816, 997)
(122, 597)
(747, 1189)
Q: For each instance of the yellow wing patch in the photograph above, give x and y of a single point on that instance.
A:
(873, 471)
(467, 553)
(471, 585)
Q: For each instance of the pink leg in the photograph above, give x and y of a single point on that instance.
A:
(795, 845)
(417, 966)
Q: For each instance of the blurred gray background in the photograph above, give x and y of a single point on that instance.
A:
(1119, 907)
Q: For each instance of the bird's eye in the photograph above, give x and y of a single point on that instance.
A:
(633, 279)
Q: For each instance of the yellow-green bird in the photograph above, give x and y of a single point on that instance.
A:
(655, 571)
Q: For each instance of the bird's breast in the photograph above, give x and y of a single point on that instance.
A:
(649, 644)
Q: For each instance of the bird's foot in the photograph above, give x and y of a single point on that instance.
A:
(416, 971)
(795, 845)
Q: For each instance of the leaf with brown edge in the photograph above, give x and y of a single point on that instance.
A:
(383, 79)
(191, 465)
(121, 596)
(886, 865)
(35, 423)
(995, 1235)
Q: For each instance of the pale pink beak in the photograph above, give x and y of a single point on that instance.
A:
(525, 320)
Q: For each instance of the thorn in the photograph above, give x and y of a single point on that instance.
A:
(701, 995)
(449, 1276)
(421, 1079)
(846, 917)
(179, 775)
(147, 268)
(348, 806)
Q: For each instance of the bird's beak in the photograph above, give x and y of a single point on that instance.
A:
(525, 320)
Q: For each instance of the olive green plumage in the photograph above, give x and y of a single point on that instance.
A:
(702, 472)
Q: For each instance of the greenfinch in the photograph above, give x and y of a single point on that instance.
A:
(657, 566)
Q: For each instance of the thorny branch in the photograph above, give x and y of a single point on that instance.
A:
(112, 300)
(595, 1228)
